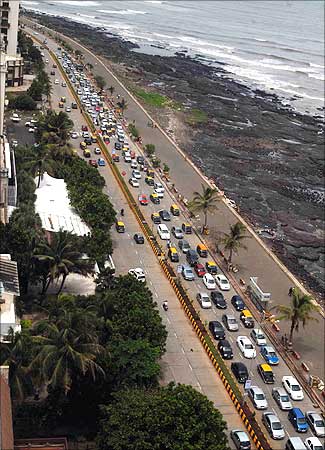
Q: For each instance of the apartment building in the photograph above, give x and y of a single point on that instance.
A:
(9, 290)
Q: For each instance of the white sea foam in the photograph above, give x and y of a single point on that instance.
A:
(122, 12)
(158, 2)
(83, 3)
(27, 3)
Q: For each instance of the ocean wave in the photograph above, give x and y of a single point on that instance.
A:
(86, 15)
(317, 76)
(77, 3)
(158, 2)
(27, 3)
(122, 12)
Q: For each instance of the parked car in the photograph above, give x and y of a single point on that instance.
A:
(258, 336)
(155, 217)
(247, 319)
(164, 214)
(230, 322)
(217, 330)
(293, 388)
(134, 182)
(223, 282)
(238, 303)
(281, 398)
(143, 200)
(313, 443)
(225, 349)
(218, 299)
(211, 267)
(269, 354)
(209, 281)
(204, 300)
(101, 162)
(246, 347)
(257, 397)
(240, 439)
(298, 420)
(240, 371)
(316, 423)
(273, 425)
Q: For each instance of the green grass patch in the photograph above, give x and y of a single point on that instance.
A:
(153, 98)
(196, 116)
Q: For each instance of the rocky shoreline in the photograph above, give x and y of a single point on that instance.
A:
(268, 158)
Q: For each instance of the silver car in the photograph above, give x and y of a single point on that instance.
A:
(258, 397)
(230, 322)
(273, 425)
(177, 232)
(316, 423)
(282, 398)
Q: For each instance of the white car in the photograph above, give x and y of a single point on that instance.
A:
(134, 182)
(159, 186)
(56, 81)
(204, 300)
(316, 423)
(293, 388)
(15, 118)
(136, 174)
(273, 425)
(160, 192)
(209, 281)
(74, 135)
(97, 151)
(163, 232)
(313, 443)
(138, 273)
(223, 282)
(258, 336)
(282, 398)
(246, 347)
(134, 165)
(258, 398)
(127, 157)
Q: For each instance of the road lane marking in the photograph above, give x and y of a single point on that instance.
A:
(175, 335)
(189, 365)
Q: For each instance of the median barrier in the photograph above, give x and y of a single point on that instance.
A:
(223, 371)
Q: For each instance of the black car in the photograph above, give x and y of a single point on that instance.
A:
(225, 349)
(217, 330)
(238, 303)
(218, 299)
(139, 239)
(117, 146)
(240, 371)
(184, 245)
(192, 257)
(164, 214)
(140, 159)
(88, 140)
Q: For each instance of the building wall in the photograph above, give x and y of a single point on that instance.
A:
(6, 431)
(9, 11)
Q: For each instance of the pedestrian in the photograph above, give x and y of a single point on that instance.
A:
(290, 291)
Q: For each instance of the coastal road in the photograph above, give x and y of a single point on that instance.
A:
(185, 361)
(256, 261)
(193, 287)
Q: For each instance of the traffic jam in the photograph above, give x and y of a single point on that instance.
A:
(268, 385)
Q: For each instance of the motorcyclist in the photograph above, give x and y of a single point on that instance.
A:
(165, 305)
(122, 212)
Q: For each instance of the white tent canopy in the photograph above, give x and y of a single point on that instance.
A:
(53, 206)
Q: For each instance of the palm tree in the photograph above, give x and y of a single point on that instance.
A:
(122, 105)
(234, 240)
(54, 128)
(69, 346)
(205, 202)
(42, 162)
(111, 90)
(62, 258)
(300, 311)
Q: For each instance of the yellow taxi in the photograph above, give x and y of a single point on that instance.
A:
(61, 105)
(187, 228)
(202, 250)
(155, 198)
(211, 267)
(266, 373)
(93, 138)
(83, 145)
(174, 209)
(105, 108)
(247, 318)
(87, 153)
(74, 151)
(120, 227)
(155, 217)
(151, 173)
(173, 255)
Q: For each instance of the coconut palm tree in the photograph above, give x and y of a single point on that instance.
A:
(39, 164)
(233, 241)
(68, 348)
(62, 257)
(205, 202)
(111, 90)
(299, 312)
(122, 105)
(54, 128)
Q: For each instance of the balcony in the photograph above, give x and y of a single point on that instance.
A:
(5, 7)
(4, 24)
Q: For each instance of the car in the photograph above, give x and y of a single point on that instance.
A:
(187, 273)
(64, 84)
(187, 228)
(134, 182)
(163, 232)
(120, 227)
(93, 163)
(160, 192)
(136, 174)
(240, 439)
(247, 319)
(127, 158)
(117, 146)
(97, 151)
(281, 398)
(174, 209)
(293, 388)
(164, 214)
(238, 303)
(140, 160)
(84, 128)
(223, 282)
(56, 81)
(138, 273)
(218, 299)
(298, 420)
(177, 232)
(101, 162)
(316, 423)
(150, 181)
(154, 198)
(246, 347)
(173, 254)
(217, 330)
(269, 354)
(225, 349)
(155, 217)
(199, 269)
(211, 267)
(209, 281)
(204, 300)
(74, 135)
(192, 257)
(31, 130)
(273, 425)
(313, 443)
(240, 371)
(202, 250)
(143, 199)
(257, 397)
(230, 322)
(52, 72)
(266, 373)
(134, 165)
(139, 239)
(184, 246)
(258, 336)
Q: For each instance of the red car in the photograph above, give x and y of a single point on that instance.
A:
(115, 157)
(93, 162)
(199, 269)
(143, 199)
(84, 128)
(132, 154)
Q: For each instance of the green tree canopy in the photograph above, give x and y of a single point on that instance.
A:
(173, 417)
(233, 241)
(101, 82)
(205, 202)
(23, 101)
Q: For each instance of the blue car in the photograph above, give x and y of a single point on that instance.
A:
(268, 353)
(101, 162)
(298, 420)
